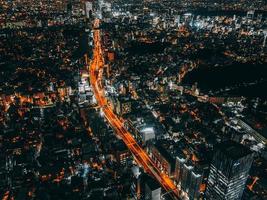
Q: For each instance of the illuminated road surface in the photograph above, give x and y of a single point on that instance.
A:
(141, 157)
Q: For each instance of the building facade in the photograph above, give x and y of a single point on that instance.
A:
(229, 171)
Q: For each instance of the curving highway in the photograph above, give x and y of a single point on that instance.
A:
(141, 157)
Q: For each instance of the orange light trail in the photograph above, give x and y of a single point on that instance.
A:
(255, 179)
(141, 157)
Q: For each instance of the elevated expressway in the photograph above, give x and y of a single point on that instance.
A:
(141, 157)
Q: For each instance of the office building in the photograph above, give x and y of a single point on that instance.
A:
(152, 189)
(179, 164)
(163, 159)
(188, 176)
(229, 171)
(194, 184)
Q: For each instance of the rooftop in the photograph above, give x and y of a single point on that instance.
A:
(151, 183)
(233, 149)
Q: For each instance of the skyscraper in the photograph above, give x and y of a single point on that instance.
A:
(188, 176)
(195, 182)
(179, 164)
(229, 171)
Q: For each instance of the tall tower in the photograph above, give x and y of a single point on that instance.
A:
(229, 171)
(179, 164)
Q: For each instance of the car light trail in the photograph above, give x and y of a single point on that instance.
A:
(117, 124)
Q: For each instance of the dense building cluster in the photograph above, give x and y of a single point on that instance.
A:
(172, 76)
(155, 52)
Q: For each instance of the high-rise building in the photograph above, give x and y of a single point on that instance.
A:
(188, 176)
(179, 164)
(152, 189)
(163, 159)
(228, 171)
(195, 182)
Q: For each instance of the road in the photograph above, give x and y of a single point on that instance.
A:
(141, 157)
